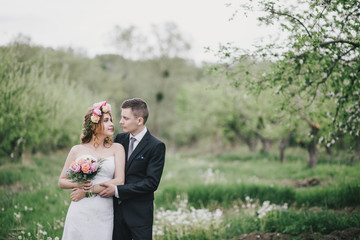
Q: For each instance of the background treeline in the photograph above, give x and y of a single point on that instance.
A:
(45, 92)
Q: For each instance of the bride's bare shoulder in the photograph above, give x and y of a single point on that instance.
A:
(74, 151)
(77, 149)
(117, 147)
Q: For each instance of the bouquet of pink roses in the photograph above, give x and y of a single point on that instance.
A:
(84, 169)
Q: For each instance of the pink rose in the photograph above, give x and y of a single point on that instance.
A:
(95, 118)
(97, 111)
(106, 108)
(85, 167)
(99, 105)
(94, 166)
(75, 168)
(81, 161)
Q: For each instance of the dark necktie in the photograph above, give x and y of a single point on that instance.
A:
(131, 146)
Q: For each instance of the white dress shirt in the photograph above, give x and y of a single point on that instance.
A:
(138, 138)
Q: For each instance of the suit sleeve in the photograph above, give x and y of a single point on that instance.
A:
(117, 139)
(153, 175)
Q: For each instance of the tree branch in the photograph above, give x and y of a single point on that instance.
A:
(296, 19)
(340, 41)
(329, 72)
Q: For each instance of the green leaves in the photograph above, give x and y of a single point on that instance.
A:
(36, 102)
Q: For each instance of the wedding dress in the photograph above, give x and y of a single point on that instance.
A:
(92, 218)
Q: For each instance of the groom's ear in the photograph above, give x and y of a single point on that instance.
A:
(140, 121)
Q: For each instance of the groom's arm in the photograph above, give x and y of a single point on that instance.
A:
(153, 175)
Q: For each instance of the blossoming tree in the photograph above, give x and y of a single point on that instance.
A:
(316, 69)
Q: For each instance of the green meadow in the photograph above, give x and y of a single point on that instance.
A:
(201, 196)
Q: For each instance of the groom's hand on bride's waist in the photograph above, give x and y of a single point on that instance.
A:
(77, 194)
(109, 190)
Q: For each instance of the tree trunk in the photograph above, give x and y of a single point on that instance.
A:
(313, 154)
(328, 150)
(266, 143)
(17, 148)
(282, 146)
(251, 142)
(312, 146)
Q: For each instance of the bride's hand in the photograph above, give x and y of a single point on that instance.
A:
(77, 194)
(86, 185)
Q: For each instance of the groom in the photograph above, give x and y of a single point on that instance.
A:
(145, 154)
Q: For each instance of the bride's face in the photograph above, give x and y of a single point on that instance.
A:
(108, 126)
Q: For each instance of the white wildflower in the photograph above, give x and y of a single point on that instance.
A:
(185, 219)
(267, 207)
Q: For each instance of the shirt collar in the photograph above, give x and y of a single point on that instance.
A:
(140, 135)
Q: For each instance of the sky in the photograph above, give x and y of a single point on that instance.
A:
(87, 25)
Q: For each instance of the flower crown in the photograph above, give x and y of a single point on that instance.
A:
(99, 109)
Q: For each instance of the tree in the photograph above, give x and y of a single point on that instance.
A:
(41, 107)
(317, 68)
(163, 46)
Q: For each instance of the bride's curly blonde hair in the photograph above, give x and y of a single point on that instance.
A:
(91, 129)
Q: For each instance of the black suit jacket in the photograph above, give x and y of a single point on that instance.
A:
(143, 172)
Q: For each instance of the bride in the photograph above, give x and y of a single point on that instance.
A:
(90, 216)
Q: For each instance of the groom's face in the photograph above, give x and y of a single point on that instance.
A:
(129, 122)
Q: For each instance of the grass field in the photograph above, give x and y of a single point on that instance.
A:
(200, 196)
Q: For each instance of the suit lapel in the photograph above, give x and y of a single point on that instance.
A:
(125, 143)
(144, 142)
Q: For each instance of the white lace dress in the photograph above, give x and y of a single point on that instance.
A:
(92, 218)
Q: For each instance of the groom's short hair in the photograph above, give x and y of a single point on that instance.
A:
(138, 107)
